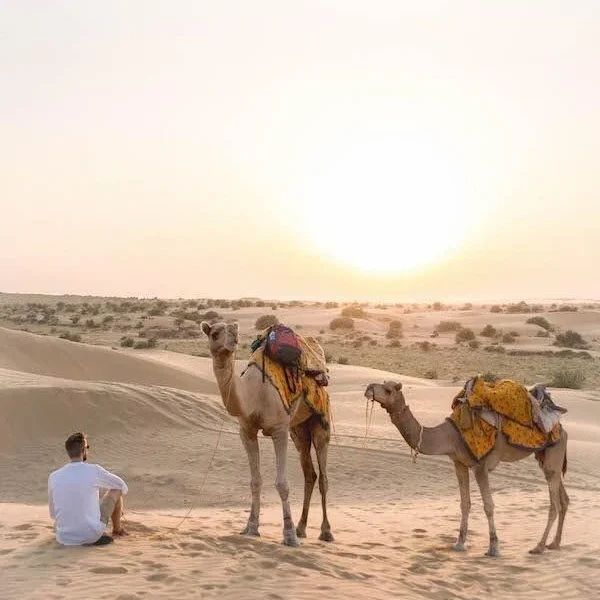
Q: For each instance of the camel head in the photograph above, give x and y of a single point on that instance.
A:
(388, 394)
(222, 337)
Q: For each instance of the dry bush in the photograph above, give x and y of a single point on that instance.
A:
(541, 322)
(464, 335)
(446, 326)
(341, 323)
(489, 331)
(570, 339)
(355, 311)
(265, 321)
(564, 378)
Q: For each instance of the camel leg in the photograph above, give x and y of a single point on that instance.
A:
(302, 440)
(280, 441)
(462, 474)
(321, 442)
(250, 442)
(564, 505)
(481, 475)
(554, 483)
(558, 458)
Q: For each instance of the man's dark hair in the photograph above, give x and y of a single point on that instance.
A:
(75, 444)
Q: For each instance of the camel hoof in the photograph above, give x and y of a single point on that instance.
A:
(537, 550)
(553, 546)
(301, 532)
(250, 532)
(494, 552)
(326, 536)
(459, 547)
(290, 540)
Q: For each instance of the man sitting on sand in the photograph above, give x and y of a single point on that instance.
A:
(74, 498)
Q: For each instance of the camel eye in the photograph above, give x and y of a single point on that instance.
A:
(215, 335)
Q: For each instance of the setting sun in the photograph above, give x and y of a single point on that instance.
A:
(386, 205)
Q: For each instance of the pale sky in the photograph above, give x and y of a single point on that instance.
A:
(294, 149)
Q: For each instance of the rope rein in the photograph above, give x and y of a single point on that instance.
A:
(214, 452)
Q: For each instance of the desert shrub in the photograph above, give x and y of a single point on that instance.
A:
(343, 360)
(342, 323)
(570, 339)
(474, 344)
(354, 311)
(542, 334)
(331, 305)
(90, 323)
(141, 345)
(426, 346)
(71, 337)
(211, 315)
(395, 344)
(265, 321)
(328, 357)
(495, 309)
(541, 322)
(489, 331)
(445, 326)
(508, 338)
(158, 309)
(108, 319)
(394, 329)
(565, 378)
(495, 349)
(273, 306)
(466, 306)
(431, 374)
(464, 335)
(520, 307)
(567, 308)
(75, 319)
(127, 342)
(321, 331)
(372, 342)
(438, 306)
(514, 333)
(357, 343)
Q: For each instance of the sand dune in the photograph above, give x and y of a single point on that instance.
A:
(154, 419)
(21, 351)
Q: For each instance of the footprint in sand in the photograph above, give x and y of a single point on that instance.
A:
(157, 577)
(6, 551)
(109, 570)
(23, 527)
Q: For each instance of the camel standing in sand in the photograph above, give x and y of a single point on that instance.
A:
(258, 406)
(445, 439)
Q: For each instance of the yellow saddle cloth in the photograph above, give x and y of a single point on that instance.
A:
(512, 403)
(301, 386)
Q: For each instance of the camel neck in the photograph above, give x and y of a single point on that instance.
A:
(228, 383)
(434, 440)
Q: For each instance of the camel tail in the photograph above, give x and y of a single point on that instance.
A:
(564, 468)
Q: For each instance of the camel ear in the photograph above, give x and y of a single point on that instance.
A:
(235, 327)
(205, 327)
(398, 386)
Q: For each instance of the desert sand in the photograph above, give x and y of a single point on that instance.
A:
(155, 418)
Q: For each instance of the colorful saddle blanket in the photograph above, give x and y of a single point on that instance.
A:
(480, 409)
(307, 384)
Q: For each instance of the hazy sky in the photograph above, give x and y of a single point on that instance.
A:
(262, 148)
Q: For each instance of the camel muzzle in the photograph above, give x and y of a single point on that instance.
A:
(370, 393)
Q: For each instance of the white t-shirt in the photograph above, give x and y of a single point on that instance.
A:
(74, 501)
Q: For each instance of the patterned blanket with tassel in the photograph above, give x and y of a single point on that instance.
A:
(481, 408)
(303, 385)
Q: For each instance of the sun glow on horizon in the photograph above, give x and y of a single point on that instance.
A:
(386, 205)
